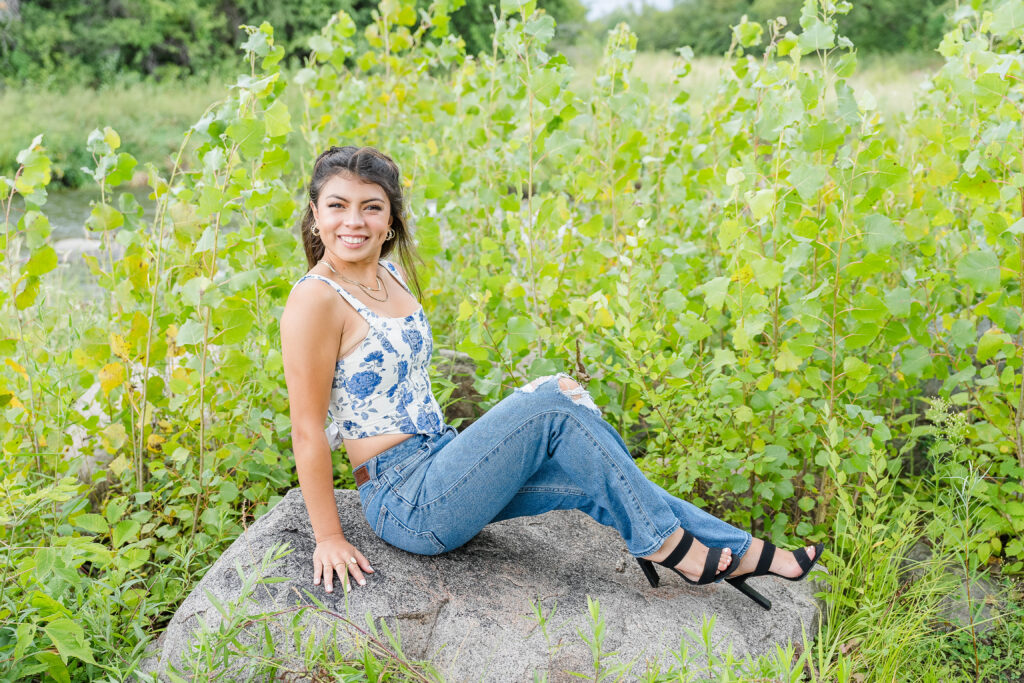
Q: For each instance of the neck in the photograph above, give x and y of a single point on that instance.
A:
(363, 271)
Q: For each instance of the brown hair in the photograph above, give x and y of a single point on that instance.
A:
(370, 166)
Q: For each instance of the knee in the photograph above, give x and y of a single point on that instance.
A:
(568, 388)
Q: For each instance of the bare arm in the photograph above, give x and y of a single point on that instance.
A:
(311, 330)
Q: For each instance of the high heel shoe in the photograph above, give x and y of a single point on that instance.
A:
(763, 568)
(709, 574)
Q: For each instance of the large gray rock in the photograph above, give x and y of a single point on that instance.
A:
(471, 611)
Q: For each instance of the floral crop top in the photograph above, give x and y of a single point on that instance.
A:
(383, 386)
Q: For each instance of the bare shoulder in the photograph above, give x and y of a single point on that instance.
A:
(312, 300)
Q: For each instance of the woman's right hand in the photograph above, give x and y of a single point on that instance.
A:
(335, 554)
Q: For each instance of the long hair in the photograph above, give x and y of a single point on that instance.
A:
(370, 166)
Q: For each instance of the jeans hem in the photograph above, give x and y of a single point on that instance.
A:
(657, 544)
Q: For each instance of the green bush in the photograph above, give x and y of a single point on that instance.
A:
(766, 294)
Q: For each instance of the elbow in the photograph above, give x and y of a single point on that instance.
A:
(307, 438)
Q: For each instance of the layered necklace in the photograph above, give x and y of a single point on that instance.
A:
(369, 291)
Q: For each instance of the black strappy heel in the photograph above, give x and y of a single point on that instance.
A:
(763, 568)
(709, 574)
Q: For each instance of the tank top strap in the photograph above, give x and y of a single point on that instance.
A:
(394, 271)
(356, 303)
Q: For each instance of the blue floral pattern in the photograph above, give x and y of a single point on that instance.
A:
(383, 387)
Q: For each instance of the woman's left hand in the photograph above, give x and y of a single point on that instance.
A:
(335, 554)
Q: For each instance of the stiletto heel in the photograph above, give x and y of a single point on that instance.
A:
(749, 591)
(648, 568)
(763, 568)
(709, 574)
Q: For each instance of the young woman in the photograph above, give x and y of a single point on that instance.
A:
(357, 348)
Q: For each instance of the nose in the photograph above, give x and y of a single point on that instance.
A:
(354, 216)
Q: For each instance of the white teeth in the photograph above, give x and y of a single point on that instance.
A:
(353, 240)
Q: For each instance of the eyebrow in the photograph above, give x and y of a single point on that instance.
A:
(338, 196)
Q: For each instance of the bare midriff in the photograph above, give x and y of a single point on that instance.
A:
(361, 450)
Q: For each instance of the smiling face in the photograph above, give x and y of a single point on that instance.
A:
(353, 217)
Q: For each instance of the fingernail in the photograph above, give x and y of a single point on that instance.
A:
(369, 569)
(362, 582)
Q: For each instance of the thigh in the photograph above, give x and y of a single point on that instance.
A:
(471, 478)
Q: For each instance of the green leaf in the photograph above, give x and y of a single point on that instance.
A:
(1008, 18)
(817, 36)
(546, 85)
(37, 228)
(761, 203)
(191, 332)
(880, 232)
(124, 531)
(52, 664)
(104, 217)
(248, 135)
(869, 308)
(227, 492)
(862, 335)
(748, 33)
(898, 301)
(278, 119)
(42, 261)
(542, 27)
(963, 333)
(35, 171)
(92, 522)
(435, 184)
(824, 136)
(855, 369)
(521, 331)
(979, 269)
(123, 169)
(990, 344)
(915, 361)
(474, 351)
(942, 170)
(69, 639)
(767, 272)
(715, 291)
(990, 89)
(807, 180)
(211, 200)
(673, 301)
(787, 360)
(111, 137)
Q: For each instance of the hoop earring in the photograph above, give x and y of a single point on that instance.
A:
(390, 235)
(315, 230)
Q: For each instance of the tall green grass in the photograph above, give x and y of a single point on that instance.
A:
(150, 117)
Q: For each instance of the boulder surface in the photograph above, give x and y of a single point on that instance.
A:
(471, 612)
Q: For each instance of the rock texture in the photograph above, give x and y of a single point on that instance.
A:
(471, 611)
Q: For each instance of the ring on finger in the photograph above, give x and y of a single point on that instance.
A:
(352, 560)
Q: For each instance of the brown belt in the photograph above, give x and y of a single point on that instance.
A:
(361, 475)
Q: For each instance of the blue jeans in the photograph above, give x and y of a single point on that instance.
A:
(539, 449)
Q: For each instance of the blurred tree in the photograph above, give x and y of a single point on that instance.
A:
(52, 42)
(705, 25)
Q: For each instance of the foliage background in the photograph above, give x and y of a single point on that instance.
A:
(803, 317)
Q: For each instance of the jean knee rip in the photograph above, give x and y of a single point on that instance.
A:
(568, 387)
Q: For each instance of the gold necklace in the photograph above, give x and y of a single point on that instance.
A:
(367, 290)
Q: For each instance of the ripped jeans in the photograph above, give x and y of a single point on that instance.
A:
(545, 447)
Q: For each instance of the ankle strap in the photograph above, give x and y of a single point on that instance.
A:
(764, 563)
(676, 556)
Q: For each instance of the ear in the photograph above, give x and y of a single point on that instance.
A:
(316, 216)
